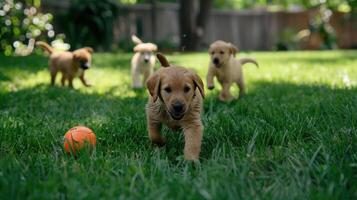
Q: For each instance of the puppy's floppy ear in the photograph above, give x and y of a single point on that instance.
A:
(153, 85)
(89, 49)
(154, 47)
(210, 49)
(136, 48)
(162, 60)
(76, 55)
(233, 49)
(198, 83)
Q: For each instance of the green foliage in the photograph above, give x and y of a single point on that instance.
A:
(19, 23)
(90, 23)
(293, 136)
(234, 4)
(320, 24)
(242, 4)
(345, 5)
(287, 40)
(145, 1)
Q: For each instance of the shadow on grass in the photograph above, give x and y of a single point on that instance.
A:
(33, 63)
(3, 77)
(45, 110)
(277, 113)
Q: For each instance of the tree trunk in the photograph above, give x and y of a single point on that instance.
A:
(203, 15)
(192, 24)
(186, 24)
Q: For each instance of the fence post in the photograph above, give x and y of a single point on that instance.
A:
(153, 19)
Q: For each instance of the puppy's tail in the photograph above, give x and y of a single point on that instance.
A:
(248, 60)
(136, 40)
(163, 61)
(45, 46)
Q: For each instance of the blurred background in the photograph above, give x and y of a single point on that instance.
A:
(178, 25)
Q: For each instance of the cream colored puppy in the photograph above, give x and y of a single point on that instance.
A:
(176, 96)
(226, 68)
(143, 62)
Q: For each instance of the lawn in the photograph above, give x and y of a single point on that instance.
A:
(294, 136)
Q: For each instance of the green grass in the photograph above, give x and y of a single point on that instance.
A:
(293, 136)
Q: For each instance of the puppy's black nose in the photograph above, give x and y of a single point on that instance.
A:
(85, 65)
(178, 107)
(215, 61)
(146, 60)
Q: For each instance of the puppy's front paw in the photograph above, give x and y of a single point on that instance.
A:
(211, 87)
(159, 141)
(191, 157)
(225, 98)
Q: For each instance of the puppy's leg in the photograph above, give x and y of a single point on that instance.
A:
(53, 71)
(135, 75)
(154, 132)
(53, 77)
(241, 86)
(70, 81)
(84, 81)
(63, 79)
(136, 80)
(225, 94)
(209, 78)
(193, 138)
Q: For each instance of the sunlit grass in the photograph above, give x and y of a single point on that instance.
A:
(293, 136)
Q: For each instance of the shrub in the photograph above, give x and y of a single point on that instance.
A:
(90, 23)
(21, 25)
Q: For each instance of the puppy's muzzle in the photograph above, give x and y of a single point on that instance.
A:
(177, 110)
(216, 62)
(85, 65)
(146, 58)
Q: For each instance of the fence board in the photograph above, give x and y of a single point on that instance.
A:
(248, 29)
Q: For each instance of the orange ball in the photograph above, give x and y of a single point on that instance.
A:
(77, 138)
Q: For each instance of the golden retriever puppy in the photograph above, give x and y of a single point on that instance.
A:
(176, 95)
(70, 64)
(226, 68)
(143, 61)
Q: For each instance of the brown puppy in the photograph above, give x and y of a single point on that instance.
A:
(226, 68)
(176, 101)
(71, 64)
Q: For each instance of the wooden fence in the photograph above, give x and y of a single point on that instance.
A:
(248, 29)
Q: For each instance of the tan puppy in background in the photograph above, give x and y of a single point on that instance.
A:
(176, 101)
(226, 68)
(143, 61)
(70, 64)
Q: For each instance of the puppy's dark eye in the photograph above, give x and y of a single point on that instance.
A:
(186, 89)
(167, 89)
(221, 52)
(212, 53)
